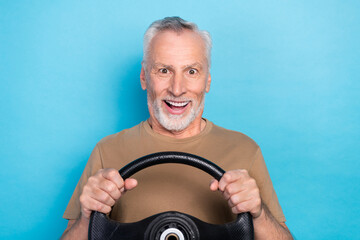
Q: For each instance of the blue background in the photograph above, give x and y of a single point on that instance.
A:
(285, 73)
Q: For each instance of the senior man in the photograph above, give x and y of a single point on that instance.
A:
(176, 75)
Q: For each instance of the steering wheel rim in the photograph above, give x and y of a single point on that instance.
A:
(171, 157)
(240, 229)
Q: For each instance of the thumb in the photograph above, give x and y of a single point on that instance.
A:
(214, 185)
(130, 183)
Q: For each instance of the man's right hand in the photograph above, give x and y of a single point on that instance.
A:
(102, 190)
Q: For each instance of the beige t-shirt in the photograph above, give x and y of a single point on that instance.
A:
(177, 187)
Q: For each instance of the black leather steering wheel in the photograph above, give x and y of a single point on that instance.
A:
(170, 225)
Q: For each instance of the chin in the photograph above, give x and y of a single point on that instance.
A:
(175, 124)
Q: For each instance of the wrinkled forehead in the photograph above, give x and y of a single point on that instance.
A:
(185, 45)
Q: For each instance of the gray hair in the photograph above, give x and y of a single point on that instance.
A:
(177, 25)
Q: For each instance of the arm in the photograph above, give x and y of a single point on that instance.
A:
(266, 227)
(99, 194)
(76, 229)
(243, 195)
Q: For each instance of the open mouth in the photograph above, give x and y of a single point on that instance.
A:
(176, 107)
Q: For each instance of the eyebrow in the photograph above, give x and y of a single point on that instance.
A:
(196, 64)
(162, 65)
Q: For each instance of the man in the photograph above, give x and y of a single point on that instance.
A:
(176, 74)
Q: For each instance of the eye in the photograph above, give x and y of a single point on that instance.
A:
(192, 71)
(164, 71)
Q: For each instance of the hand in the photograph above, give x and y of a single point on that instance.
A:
(102, 190)
(241, 192)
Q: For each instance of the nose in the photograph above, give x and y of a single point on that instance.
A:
(177, 85)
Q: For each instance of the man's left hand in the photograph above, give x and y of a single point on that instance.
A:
(241, 192)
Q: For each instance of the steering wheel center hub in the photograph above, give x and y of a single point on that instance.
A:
(172, 226)
(172, 234)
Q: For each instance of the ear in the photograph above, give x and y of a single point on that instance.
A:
(208, 83)
(143, 78)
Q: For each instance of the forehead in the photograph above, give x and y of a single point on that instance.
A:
(185, 47)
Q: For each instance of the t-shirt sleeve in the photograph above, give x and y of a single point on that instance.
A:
(93, 165)
(259, 172)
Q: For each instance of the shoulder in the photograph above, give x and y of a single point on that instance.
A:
(231, 136)
(231, 149)
(126, 135)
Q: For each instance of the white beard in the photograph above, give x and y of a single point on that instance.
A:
(173, 122)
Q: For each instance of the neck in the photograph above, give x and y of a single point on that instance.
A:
(193, 129)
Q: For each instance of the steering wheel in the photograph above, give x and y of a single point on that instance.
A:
(170, 225)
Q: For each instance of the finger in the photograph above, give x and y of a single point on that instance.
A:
(130, 183)
(114, 176)
(240, 208)
(253, 206)
(110, 188)
(214, 185)
(237, 198)
(94, 205)
(246, 193)
(233, 188)
(229, 177)
(101, 196)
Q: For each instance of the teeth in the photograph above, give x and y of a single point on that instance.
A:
(177, 104)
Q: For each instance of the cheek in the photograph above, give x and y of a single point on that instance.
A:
(200, 97)
(159, 88)
(155, 93)
(150, 92)
(198, 92)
